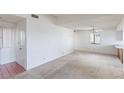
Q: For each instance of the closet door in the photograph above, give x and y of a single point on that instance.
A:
(8, 53)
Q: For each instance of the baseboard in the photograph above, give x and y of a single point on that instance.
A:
(96, 52)
(28, 68)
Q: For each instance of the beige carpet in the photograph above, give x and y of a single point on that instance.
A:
(78, 65)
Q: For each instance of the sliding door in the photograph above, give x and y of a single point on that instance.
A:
(7, 44)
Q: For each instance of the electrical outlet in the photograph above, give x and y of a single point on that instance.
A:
(44, 58)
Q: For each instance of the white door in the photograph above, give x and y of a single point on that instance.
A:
(21, 47)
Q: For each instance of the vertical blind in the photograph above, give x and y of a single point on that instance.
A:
(6, 37)
(1, 37)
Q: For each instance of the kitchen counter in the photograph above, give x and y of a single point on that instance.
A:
(119, 46)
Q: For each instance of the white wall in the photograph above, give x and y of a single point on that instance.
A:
(108, 39)
(45, 40)
(119, 35)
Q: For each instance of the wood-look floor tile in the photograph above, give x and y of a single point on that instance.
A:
(10, 69)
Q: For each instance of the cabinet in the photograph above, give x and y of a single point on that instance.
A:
(120, 54)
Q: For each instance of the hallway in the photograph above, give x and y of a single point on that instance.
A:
(10, 70)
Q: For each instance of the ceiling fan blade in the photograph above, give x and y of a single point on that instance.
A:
(83, 29)
(97, 30)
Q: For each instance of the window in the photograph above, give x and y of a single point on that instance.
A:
(95, 38)
(21, 38)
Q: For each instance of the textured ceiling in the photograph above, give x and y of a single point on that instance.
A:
(81, 21)
(10, 18)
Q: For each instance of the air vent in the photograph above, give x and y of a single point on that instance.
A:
(35, 16)
(74, 30)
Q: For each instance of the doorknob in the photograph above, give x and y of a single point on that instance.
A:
(20, 48)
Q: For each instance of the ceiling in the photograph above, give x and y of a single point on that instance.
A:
(84, 21)
(10, 18)
(78, 21)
